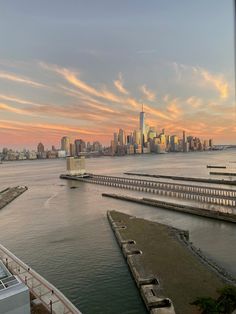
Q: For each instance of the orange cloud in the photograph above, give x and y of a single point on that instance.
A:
(119, 85)
(18, 100)
(19, 79)
(72, 78)
(194, 102)
(14, 110)
(150, 95)
(217, 81)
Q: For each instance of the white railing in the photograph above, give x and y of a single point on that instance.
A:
(50, 296)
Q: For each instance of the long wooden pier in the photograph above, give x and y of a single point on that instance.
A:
(204, 194)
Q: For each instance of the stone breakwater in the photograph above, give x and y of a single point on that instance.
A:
(165, 266)
(213, 214)
(9, 194)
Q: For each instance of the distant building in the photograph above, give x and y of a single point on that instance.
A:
(61, 153)
(211, 143)
(65, 144)
(174, 143)
(52, 154)
(40, 148)
(142, 127)
(75, 166)
(121, 137)
(137, 137)
(80, 147)
(130, 149)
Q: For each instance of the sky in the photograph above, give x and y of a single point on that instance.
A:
(82, 68)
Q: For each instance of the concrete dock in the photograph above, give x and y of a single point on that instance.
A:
(9, 194)
(213, 214)
(166, 268)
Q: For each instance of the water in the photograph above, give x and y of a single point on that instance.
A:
(64, 234)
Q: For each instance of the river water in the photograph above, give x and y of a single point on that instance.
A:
(64, 234)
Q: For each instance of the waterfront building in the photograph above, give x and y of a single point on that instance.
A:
(61, 153)
(130, 149)
(138, 149)
(65, 144)
(31, 155)
(75, 166)
(52, 154)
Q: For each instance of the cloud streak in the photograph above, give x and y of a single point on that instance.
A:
(19, 79)
(119, 84)
(150, 95)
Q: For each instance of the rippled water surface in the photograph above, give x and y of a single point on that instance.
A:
(64, 234)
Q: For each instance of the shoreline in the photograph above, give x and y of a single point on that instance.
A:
(162, 259)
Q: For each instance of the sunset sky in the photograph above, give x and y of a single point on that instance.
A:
(83, 69)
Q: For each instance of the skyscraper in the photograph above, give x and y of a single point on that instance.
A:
(121, 137)
(142, 126)
(65, 144)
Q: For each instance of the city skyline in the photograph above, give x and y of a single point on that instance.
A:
(84, 70)
(144, 139)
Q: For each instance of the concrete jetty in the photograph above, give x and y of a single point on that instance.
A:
(216, 167)
(168, 272)
(229, 174)
(218, 215)
(9, 194)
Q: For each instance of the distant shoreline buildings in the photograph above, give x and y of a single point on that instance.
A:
(144, 140)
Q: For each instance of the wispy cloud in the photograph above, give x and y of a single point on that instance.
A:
(71, 77)
(18, 100)
(19, 79)
(119, 84)
(194, 102)
(150, 95)
(11, 109)
(216, 81)
(202, 77)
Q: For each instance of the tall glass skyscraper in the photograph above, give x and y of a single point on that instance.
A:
(142, 126)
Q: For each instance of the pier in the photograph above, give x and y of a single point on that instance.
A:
(203, 194)
(182, 178)
(9, 194)
(169, 272)
(198, 211)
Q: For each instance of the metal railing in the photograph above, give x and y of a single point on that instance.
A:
(53, 300)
